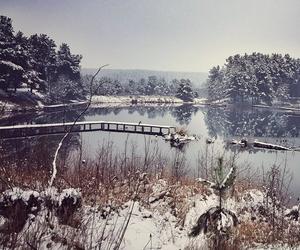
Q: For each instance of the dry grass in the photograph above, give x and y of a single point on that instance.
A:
(112, 179)
(251, 233)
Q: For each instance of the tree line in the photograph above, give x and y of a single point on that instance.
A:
(255, 78)
(153, 85)
(36, 62)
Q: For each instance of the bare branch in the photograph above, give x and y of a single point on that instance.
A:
(54, 167)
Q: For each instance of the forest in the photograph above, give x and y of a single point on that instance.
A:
(35, 62)
(255, 78)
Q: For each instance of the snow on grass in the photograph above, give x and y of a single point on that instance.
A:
(69, 193)
(64, 104)
(152, 226)
(17, 193)
(52, 194)
(200, 100)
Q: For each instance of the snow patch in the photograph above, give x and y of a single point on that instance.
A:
(19, 194)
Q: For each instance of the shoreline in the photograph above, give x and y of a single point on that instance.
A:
(11, 109)
(98, 101)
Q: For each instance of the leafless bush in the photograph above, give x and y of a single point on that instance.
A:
(276, 184)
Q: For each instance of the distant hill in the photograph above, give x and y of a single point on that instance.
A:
(123, 75)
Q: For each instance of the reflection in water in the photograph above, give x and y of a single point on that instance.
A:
(36, 118)
(221, 122)
(149, 111)
(206, 121)
(57, 117)
(251, 123)
(183, 113)
(36, 152)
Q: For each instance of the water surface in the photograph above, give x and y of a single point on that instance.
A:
(219, 124)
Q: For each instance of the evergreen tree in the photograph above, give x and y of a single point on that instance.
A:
(218, 221)
(34, 61)
(151, 84)
(184, 91)
(43, 56)
(11, 72)
(141, 88)
(67, 63)
(256, 77)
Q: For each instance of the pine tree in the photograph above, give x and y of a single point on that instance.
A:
(43, 56)
(184, 91)
(151, 84)
(217, 220)
(68, 64)
(256, 78)
(11, 72)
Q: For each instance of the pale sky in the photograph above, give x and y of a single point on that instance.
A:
(177, 35)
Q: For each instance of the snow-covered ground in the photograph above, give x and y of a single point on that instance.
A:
(154, 224)
(117, 101)
(135, 99)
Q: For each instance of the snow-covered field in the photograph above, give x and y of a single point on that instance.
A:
(135, 99)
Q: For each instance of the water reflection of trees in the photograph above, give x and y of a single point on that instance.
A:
(254, 122)
(39, 151)
(182, 114)
(150, 111)
(51, 117)
(57, 117)
(35, 152)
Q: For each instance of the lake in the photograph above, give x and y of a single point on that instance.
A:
(220, 124)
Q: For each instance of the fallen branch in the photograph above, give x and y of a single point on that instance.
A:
(258, 144)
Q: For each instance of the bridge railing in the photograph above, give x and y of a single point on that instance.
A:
(58, 128)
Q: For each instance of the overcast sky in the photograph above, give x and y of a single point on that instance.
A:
(179, 35)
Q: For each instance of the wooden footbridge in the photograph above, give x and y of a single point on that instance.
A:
(18, 131)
